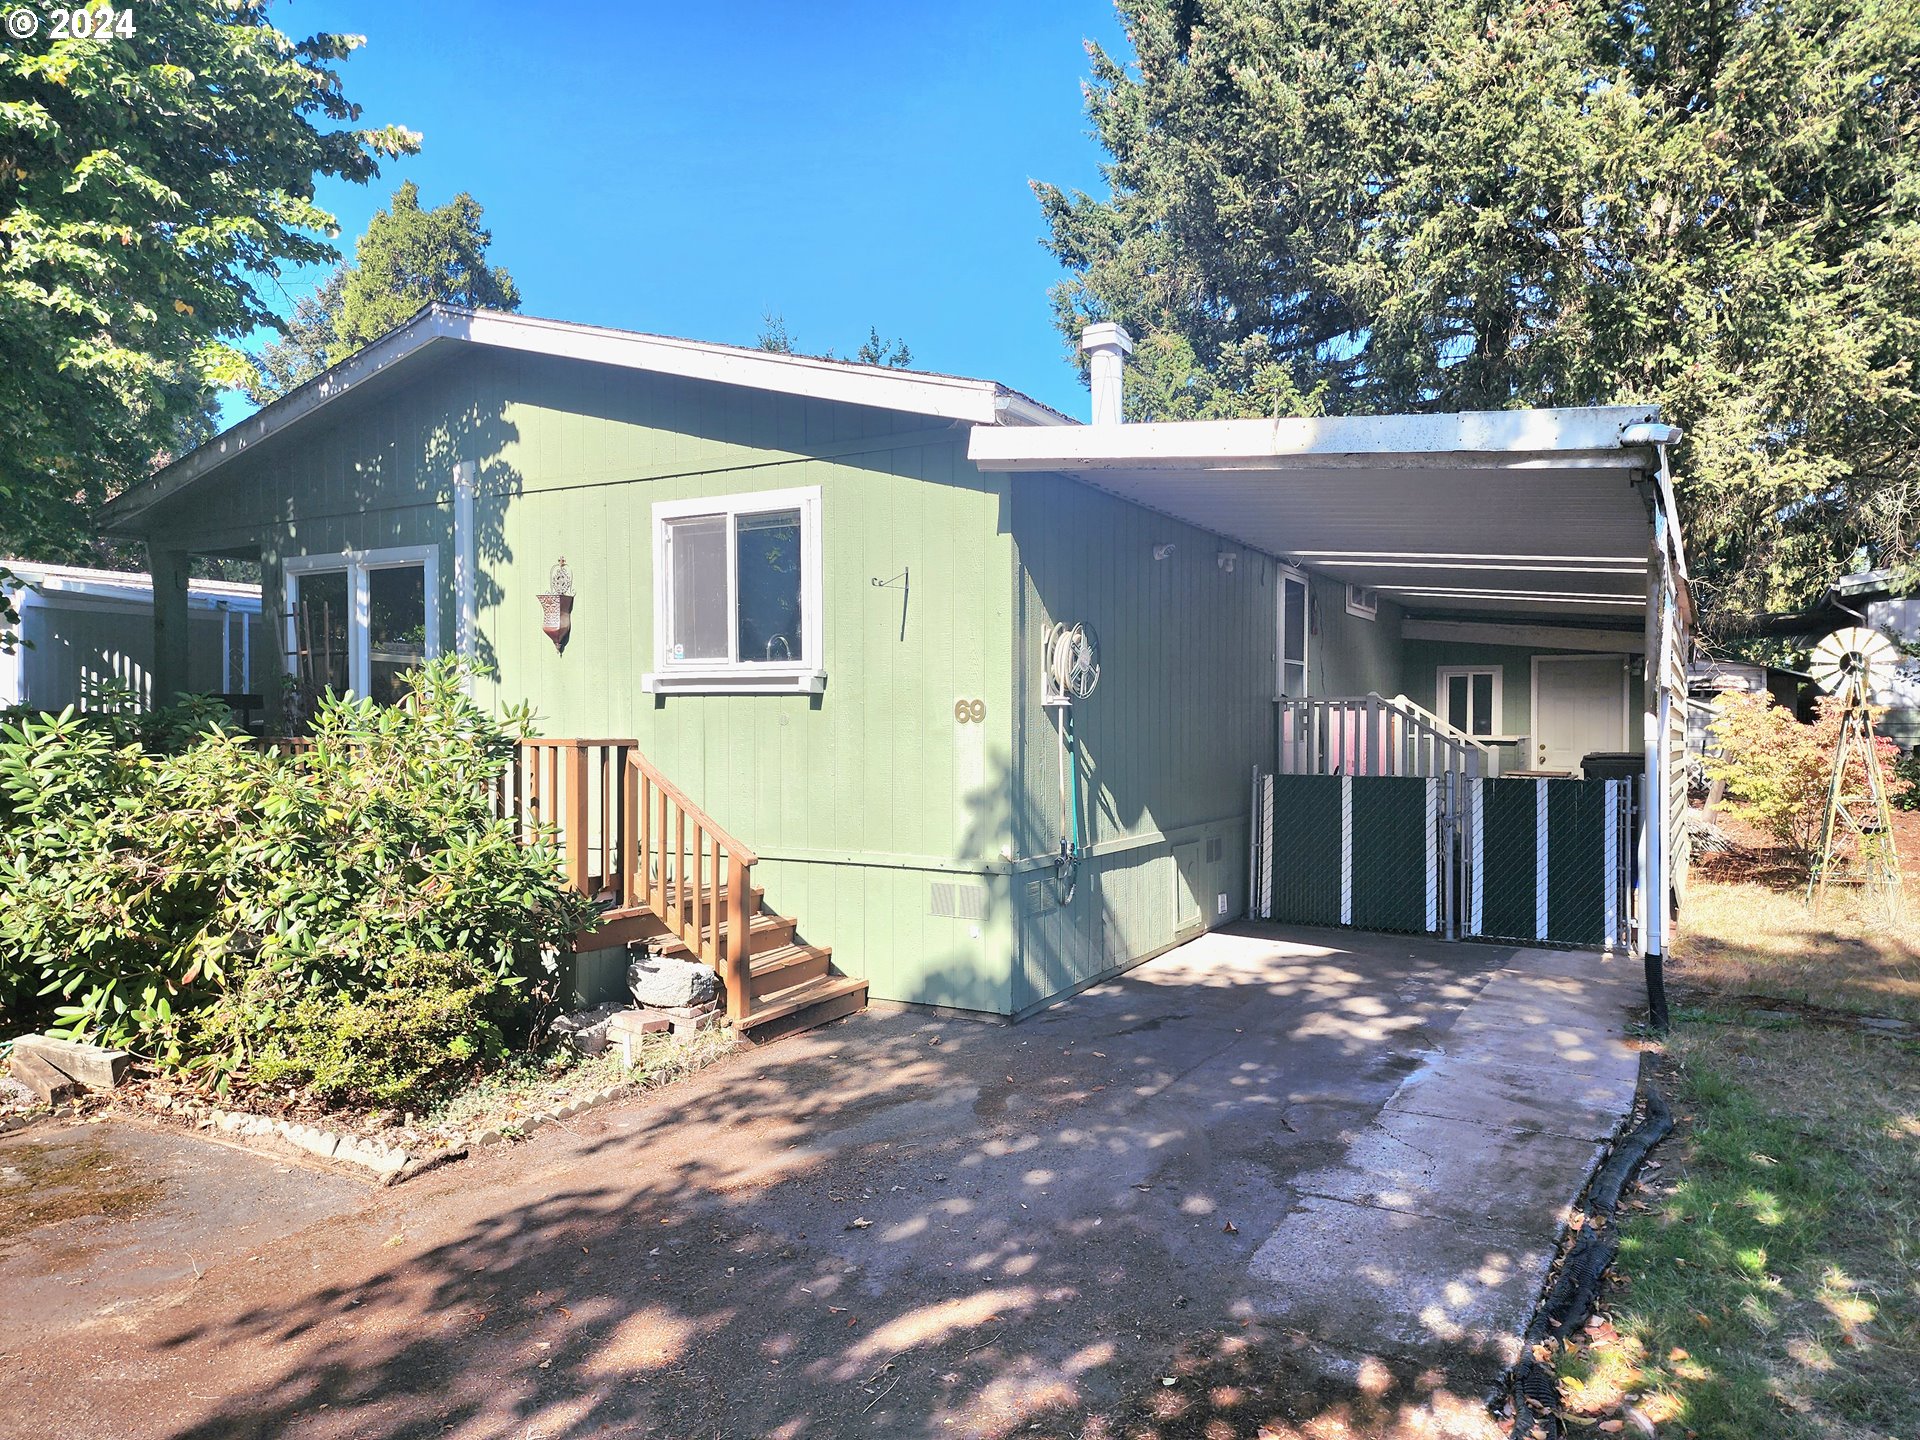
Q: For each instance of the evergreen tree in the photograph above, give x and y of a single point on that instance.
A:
(876, 349)
(1364, 206)
(301, 353)
(410, 257)
(407, 258)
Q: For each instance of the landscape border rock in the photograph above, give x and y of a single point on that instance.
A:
(386, 1164)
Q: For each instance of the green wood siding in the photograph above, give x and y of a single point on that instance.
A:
(1183, 711)
(1348, 654)
(860, 800)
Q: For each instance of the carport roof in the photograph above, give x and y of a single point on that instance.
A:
(1540, 512)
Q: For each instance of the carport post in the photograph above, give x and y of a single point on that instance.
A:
(1649, 936)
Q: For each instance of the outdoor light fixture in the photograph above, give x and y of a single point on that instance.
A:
(556, 606)
(1161, 552)
(1227, 559)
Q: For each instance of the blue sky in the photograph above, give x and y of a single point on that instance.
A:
(684, 169)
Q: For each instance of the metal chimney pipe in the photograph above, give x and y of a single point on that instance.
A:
(1107, 346)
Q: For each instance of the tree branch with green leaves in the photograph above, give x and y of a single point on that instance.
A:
(150, 186)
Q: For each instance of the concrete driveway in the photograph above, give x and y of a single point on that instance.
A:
(1274, 1183)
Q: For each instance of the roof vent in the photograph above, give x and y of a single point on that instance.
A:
(1107, 346)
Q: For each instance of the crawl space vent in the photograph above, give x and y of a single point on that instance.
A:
(948, 901)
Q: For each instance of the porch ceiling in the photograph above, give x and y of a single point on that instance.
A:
(1540, 512)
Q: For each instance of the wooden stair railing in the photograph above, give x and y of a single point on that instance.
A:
(574, 786)
(633, 840)
(681, 865)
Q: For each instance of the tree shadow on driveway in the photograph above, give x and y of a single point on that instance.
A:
(896, 1226)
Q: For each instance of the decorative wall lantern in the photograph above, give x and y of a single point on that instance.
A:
(556, 606)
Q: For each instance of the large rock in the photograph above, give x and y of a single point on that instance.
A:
(586, 1030)
(671, 982)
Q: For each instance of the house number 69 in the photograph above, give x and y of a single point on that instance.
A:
(965, 710)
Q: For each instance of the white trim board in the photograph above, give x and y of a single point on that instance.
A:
(1594, 435)
(1284, 572)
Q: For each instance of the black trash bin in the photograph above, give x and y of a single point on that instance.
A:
(1613, 765)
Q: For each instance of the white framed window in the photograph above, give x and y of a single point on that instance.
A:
(1468, 698)
(1293, 622)
(358, 620)
(736, 594)
(1364, 601)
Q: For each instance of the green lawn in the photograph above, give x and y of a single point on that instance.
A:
(1768, 1282)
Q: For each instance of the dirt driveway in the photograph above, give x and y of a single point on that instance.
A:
(1189, 1202)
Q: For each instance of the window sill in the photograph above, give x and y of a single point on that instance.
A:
(741, 681)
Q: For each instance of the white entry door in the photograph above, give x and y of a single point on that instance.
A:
(1579, 707)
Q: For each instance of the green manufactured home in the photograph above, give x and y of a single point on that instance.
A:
(817, 597)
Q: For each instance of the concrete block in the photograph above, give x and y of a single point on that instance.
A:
(91, 1066)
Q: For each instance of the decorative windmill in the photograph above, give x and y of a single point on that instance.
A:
(1847, 665)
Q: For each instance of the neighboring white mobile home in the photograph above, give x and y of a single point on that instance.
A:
(90, 632)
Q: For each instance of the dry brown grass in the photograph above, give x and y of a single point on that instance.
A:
(1746, 931)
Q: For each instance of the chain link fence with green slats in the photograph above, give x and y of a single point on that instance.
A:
(1521, 860)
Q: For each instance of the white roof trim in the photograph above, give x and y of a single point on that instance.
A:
(1543, 510)
(1483, 438)
(943, 397)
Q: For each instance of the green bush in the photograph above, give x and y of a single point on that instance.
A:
(441, 1018)
(117, 711)
(1905, 791)
(1778, 771)
(182, 905)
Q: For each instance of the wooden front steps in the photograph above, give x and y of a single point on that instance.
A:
(803, 1006)
(668, 877)
(765, 933)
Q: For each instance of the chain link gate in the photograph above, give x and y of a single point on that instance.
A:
(1550, 861)
(1533, 861)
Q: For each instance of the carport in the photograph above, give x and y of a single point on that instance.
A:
(1544, 539)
